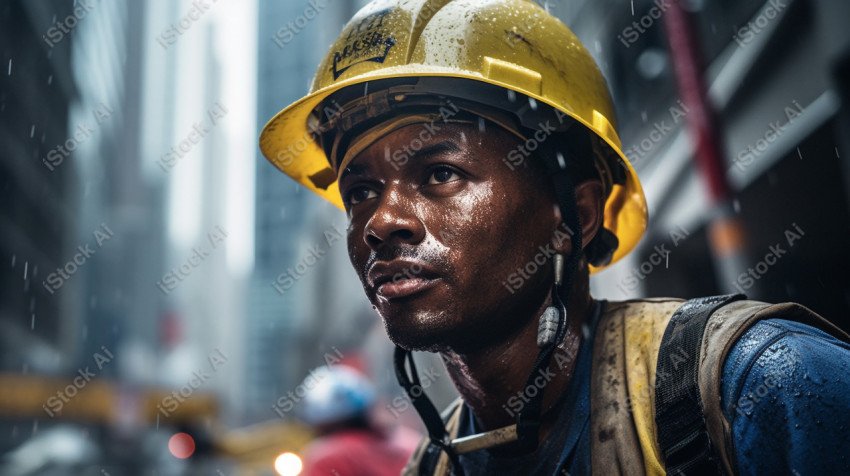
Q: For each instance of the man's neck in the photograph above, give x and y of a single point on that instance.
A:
(492, 381)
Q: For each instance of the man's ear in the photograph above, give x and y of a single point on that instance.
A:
(590, 206)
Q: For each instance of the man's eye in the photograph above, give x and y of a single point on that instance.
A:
(442, 175)
(358, 194)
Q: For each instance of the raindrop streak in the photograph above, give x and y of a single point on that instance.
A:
(9, 72)
(481, 126)
(799, 153)
(32, 131)
(532, 103)
(32, 322)
(26, 267)
(836, 152)
(13, 260)
(561, 162)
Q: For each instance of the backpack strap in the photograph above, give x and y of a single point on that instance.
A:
(682, 434)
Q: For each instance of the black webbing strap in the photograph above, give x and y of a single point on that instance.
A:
(423, 405)
(682, 433)
(529, 418)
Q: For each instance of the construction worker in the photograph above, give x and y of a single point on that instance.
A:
(337, 405)
(474, 148)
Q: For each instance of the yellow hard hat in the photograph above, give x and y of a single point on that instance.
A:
(511, 45)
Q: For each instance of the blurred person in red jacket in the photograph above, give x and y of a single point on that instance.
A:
(337, 406)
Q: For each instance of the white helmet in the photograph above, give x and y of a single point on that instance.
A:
(334, 394)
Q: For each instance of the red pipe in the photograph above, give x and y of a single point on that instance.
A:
(701, 119)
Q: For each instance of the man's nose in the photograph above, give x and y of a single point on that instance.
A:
(395, 219)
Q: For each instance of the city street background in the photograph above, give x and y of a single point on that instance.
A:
(160, 280)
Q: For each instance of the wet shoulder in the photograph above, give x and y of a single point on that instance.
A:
(786, 388)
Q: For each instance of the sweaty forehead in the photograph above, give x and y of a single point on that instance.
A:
(423, 139)
(410, 143)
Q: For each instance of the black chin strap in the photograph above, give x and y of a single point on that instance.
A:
(529, 418)
(423, 405)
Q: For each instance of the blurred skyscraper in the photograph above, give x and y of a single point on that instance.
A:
(38, 204)
(292, 37)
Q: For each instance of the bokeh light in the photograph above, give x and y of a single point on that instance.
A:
(181, 445)
(288, 464)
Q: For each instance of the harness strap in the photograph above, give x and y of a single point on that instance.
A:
(682, 433)
(427, 411)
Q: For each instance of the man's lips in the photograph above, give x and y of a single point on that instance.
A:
(400, 278)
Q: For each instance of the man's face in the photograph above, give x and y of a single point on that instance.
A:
(437, 229)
